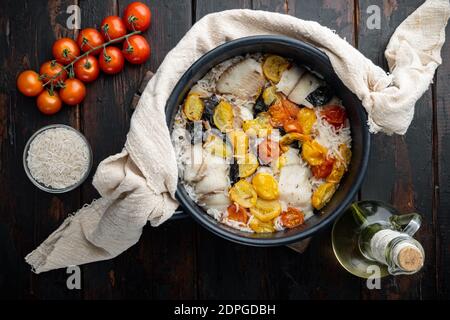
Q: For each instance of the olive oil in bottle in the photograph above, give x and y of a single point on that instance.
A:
(373, 233)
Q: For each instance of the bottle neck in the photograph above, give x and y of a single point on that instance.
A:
(401, 253)
(407, 256)
(358, 214)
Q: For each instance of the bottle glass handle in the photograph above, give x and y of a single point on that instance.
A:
(407, 223)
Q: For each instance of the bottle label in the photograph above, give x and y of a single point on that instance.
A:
(379, 243)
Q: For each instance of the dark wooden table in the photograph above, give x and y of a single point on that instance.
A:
(181, 259)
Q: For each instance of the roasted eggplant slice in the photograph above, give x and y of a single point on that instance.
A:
(321, 96)
(307, 84)
(268, 97)
(210, 105)
(259, 106)
(234, 172)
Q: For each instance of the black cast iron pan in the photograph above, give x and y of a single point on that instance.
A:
(302, 54)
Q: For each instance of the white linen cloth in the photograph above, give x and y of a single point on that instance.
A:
(138, 184)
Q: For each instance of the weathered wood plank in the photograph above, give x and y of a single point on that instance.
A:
(336, 15)
(280, 6)
(166, 252)
(400, 168)
(203, 7)
(104, 121)
(137, 95)
(441, 179)
(334, 282)
(133, 274)
(28, 214)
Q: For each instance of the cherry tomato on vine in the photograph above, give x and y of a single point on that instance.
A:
(90, 38)
(29, 83)
(50, 69)
(111, 60)
(65, 50)
(334, 115)
(137, 16)
(112, 27)
(136, 49)
(87, 69)
(73, 92)
(49, 103)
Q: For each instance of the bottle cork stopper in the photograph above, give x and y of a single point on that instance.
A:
(410, 259)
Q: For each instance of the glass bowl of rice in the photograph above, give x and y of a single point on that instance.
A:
(57, 158)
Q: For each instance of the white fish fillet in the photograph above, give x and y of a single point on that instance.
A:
(195, 167)
(289, 79)
(243, 113)
(294, 185)
(264, 169)
(200, 91)
(217, 201)
(307, 84)
(244, 80)
(292, 157)
(215, 177)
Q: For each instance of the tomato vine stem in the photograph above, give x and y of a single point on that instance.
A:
(104, 45)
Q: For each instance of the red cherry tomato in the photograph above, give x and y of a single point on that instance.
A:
(112, 27)
(87, 69)
(73, 92)
(136, 50)
(137, 16)
(237, 214)
(334, 115)
(111, 60)
(90, 38)
(292, 217)
(49, 103)
(50, 69)
(29, 83)
(268, 150)
(322, 171)
(65, 50)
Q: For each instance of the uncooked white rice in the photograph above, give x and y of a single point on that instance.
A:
(58, 158)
